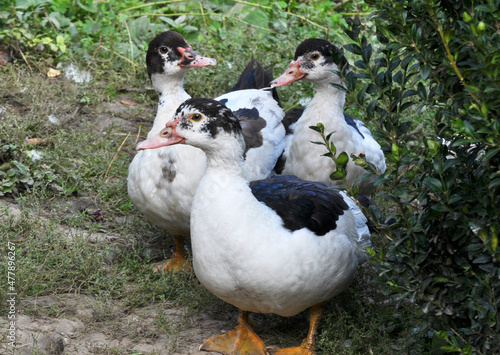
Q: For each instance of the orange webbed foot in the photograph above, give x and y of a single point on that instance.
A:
(308, 344)
(298, 350)
(175, 264)
(241, 341)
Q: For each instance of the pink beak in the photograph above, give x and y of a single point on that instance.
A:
(167, 136)
(192, 59)
(293, 73)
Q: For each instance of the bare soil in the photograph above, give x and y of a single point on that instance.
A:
(59, 324)
(70, 323)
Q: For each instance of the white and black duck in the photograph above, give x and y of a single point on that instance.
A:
(317, 61)
(279, 245)
(162, 182)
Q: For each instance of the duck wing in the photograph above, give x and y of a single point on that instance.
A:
(301, 204)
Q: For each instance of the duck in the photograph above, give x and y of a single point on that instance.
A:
(318, 61)
(279, 245)
(161, 183)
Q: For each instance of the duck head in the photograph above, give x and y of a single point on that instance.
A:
(315, 60)
(201, 123)
(169, 53)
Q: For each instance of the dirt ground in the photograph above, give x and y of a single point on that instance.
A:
(66, 332)
(59, 324)
(66, 323)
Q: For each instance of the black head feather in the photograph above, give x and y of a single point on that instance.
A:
(331, 53)
(170, 39)
(220, 118)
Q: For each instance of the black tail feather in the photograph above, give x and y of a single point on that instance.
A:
(254, 76)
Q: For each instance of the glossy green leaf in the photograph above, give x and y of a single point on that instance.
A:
(491, 153)
(339, 87)
(353, 48)
(425, 70)
(371, 107)
(367, 53)
(337, 175)
(342, 159)
(320, 128)
(351, 81)
(433, 184)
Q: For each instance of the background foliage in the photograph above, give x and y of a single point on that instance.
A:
(438, 60)
(425, 79)
(103, 30)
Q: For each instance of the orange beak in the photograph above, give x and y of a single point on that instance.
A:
(293, 73)
(167, 136)
(192, 59)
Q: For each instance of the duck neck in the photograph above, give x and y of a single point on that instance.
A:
(222, 181)
(326, 107)
(171, 94)
(225, 156)
(330, 99)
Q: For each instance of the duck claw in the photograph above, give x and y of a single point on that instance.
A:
(235, 343)
(298, 350)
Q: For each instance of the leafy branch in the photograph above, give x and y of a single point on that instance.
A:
(340, 174)
(340, 160)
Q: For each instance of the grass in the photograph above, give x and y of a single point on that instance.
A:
(60, 249)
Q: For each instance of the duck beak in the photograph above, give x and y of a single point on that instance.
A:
(293, 73)
(167, 136)
(192, 59)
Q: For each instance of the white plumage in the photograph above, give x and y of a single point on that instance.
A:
(260, 161)
(162, 182)
(260, 258)
(314, 62)
(244, 255)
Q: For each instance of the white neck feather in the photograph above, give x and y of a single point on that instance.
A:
(171, 94)
(224, 176)
(326, 107)
(225, 156)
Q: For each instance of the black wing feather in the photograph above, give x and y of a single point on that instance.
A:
(350, 121)
(252, 125)
(301, 204)
(290, 118)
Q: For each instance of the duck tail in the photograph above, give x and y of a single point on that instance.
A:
(255, 76)
(362, 228)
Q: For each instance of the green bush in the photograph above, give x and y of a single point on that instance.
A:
(98, 31)
(437, 60)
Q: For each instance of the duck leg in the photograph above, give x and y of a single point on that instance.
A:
(177, 262)
(309, 343)
(242, 340)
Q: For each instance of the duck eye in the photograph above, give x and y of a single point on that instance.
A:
(314, 56)
(163, 50)
(195, 117)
